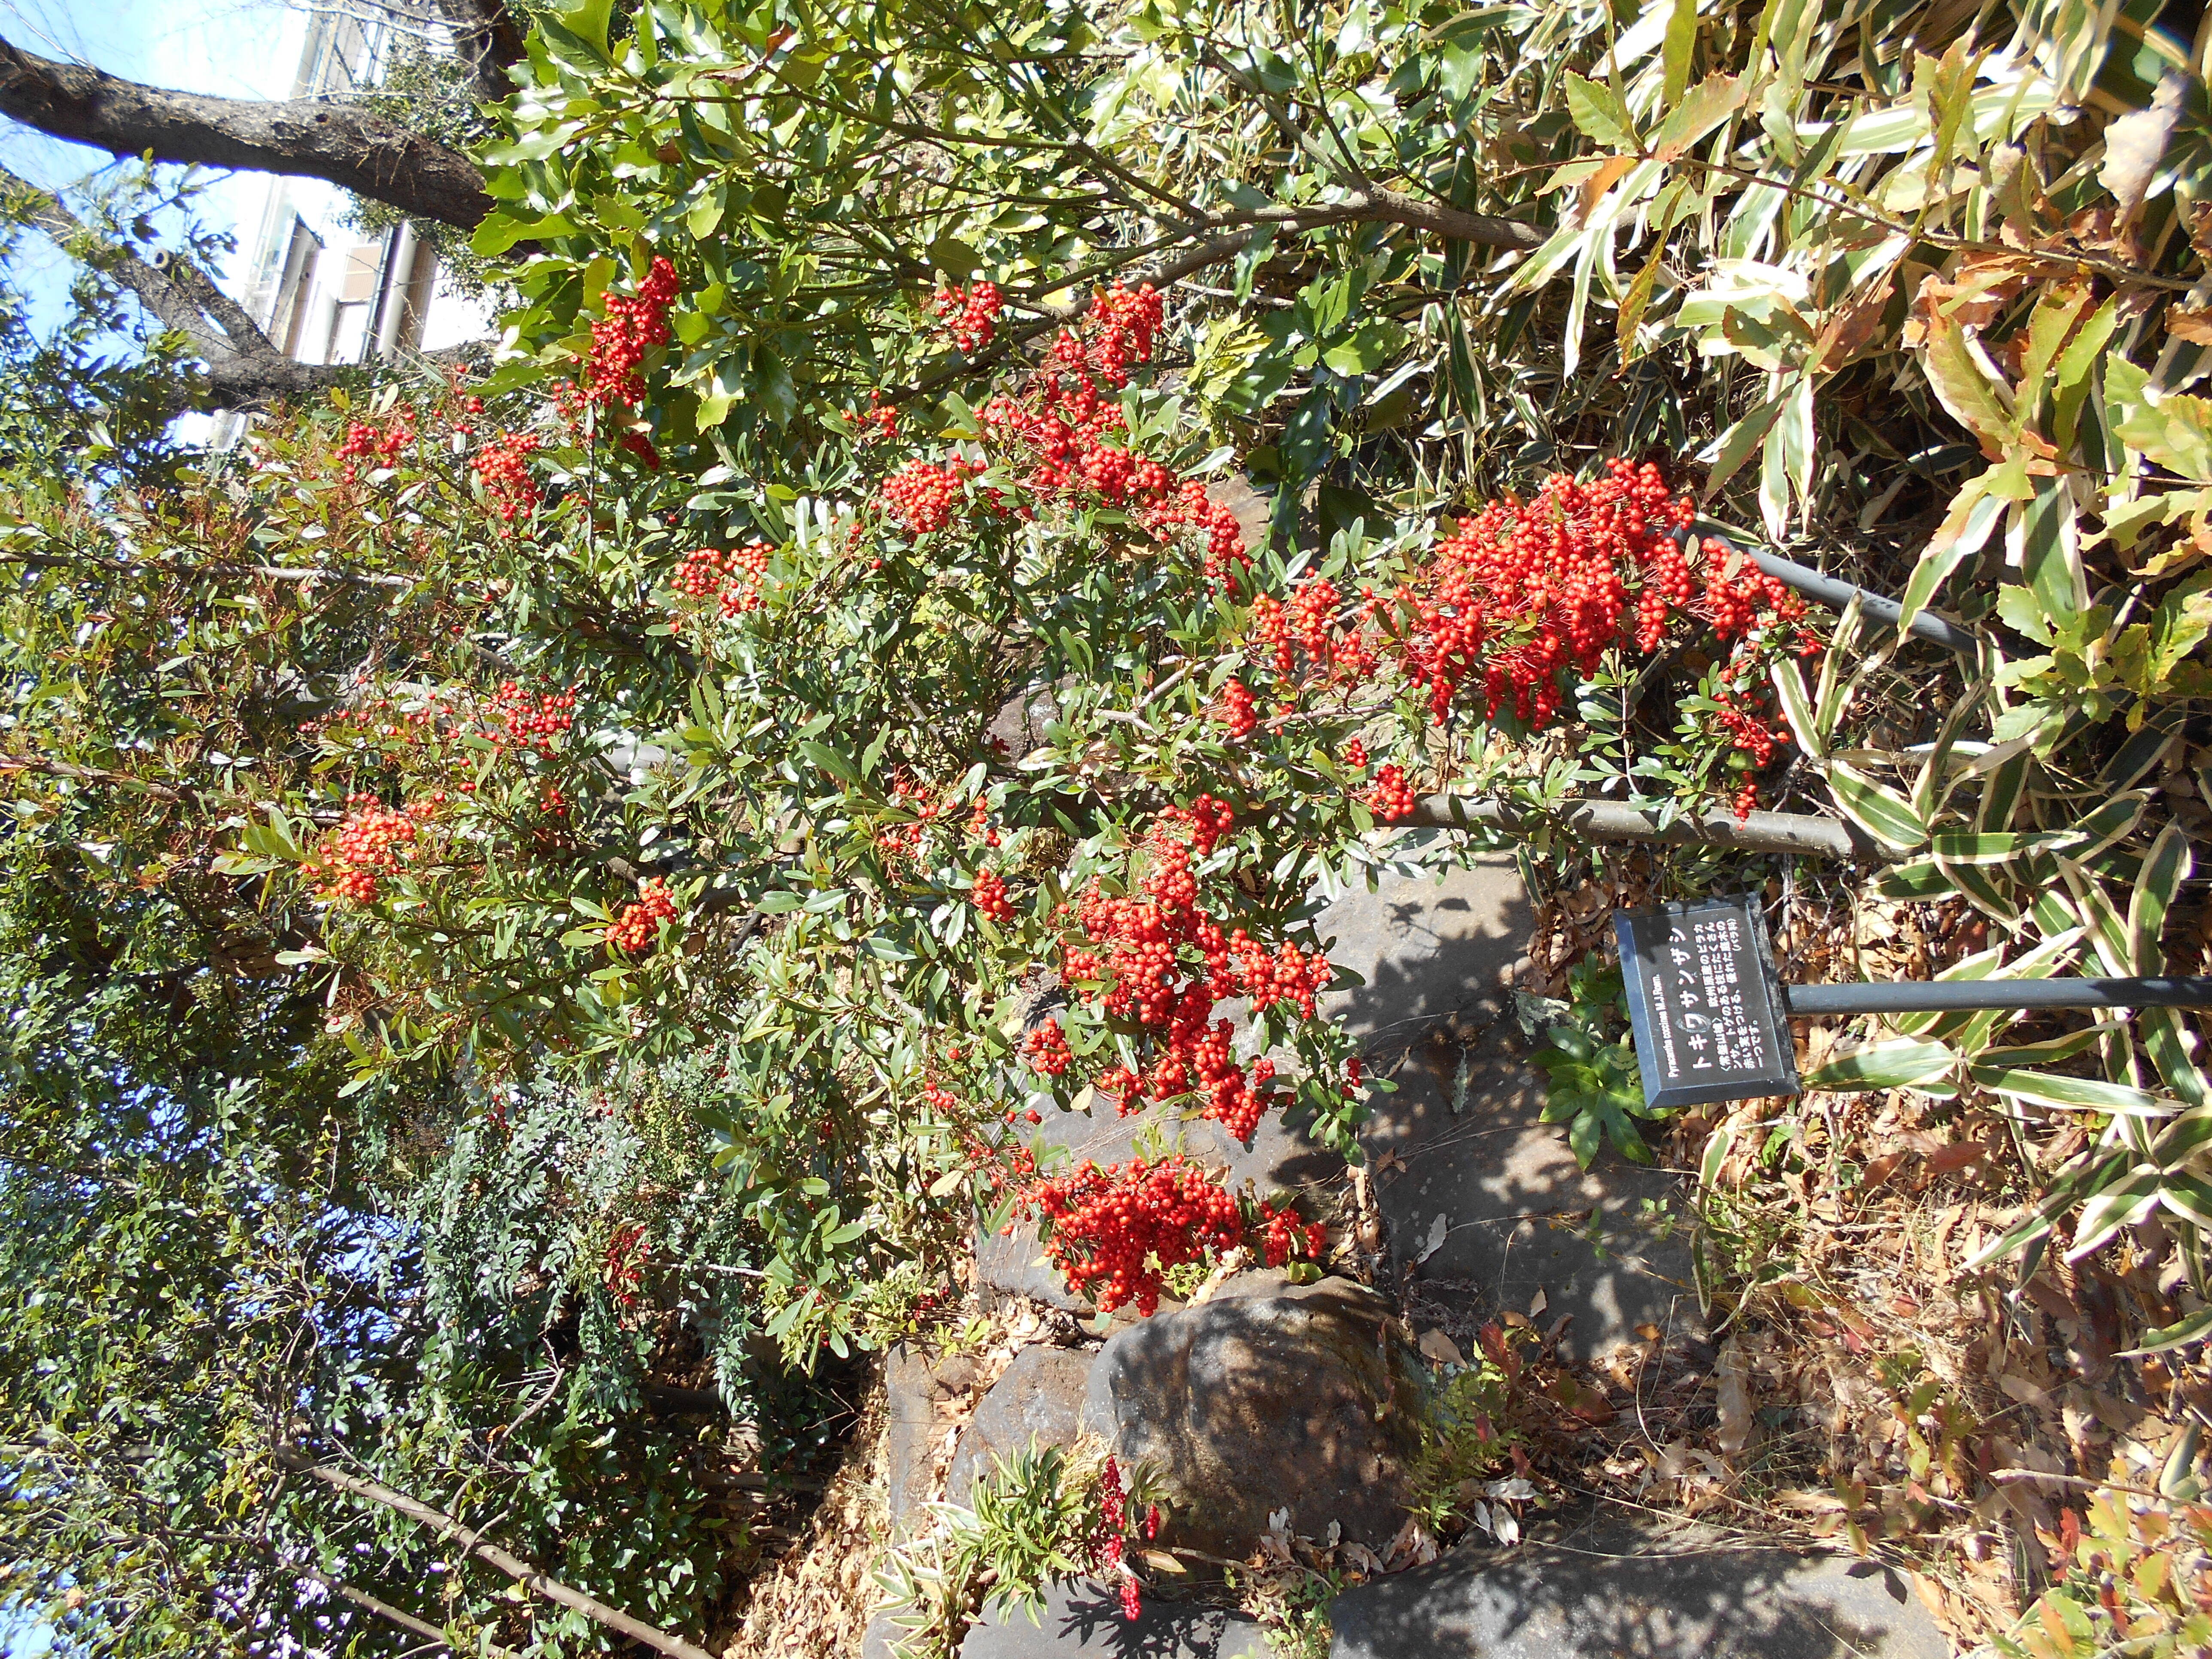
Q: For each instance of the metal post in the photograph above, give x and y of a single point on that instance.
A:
(1836, 595)
(1946, 996)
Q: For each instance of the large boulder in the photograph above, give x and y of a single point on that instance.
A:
(1653, 1590)
(1271, 1397)
(1038, 1398)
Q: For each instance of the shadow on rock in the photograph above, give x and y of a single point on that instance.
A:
(1638, 1591)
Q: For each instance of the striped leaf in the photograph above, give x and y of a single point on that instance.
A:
(2111, 820)
(2072, 1182)
(1973, 516)
(2071, 1093)
(1977, 1028)
(1790, 689)
(2163, 872)
(2181, 1140)
(2196, 1326)
(2119, 1206)
(2053, 1052)
(1876, 808)
(1922, 878)
(2189, 1197)
(1980, 888)
(1895, 1065)
(2173, 1048)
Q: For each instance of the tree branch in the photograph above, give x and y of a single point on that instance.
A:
(490, 42)
(306, 137)
(244, 369)
(513, 1566)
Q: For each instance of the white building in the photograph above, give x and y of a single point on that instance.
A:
(327, 294)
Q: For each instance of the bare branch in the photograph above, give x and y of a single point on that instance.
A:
(306, 137)
(513, 1566)
(243, 368)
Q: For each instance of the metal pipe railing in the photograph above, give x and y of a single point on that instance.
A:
(1948, 996)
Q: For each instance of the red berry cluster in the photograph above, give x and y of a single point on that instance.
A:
(363, 441)
(1059, 428)
(877, 423)
(1284, 1235)
(1105, 1548)
(637, 444)
(972, 312)
(1158, 959)
(633, 932)
(1390, 797)
(501, 464)
(1355, 754)
(988, 893)
(613, 372)
(921, 496)
(624, 1266)
(732, 579)
(371, 841)
(1047, 1050)
(1525, 589)
(1112, 1231)
(530, 720)
(1233, 708)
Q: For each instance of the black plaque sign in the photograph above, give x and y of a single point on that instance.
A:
(1707, 1008)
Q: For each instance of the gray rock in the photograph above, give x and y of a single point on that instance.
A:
(881, 1635)
(1037, 1398)
(1643, 1589)
(1427, 946)
(1300, 1399)
(915, 1386)
(1085, 1617)
(1488, 1205)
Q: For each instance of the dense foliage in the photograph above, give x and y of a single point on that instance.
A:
(523, 894)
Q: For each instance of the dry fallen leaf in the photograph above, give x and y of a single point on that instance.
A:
(1733, 1372)
(1440, 1349)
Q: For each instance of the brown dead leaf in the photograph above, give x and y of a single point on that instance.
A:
(2193, 324)
(1732, 1370)
(1956, 1156)
(1440, 1349)
(1880, 1171)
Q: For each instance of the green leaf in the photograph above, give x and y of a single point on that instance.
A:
(1973, 515)
(1878, 809)
(501, 231)
(1375, 342)
(1681, 42)
(1711, 102)
(828, 760)
(587, 20)
(1741, 441)
(1598, 111)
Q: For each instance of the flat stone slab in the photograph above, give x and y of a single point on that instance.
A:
(1085, 1617)
(1428, 945)
(1037, 1398)
(1649, 1590)
(918, 1390)
(1488, 1204)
